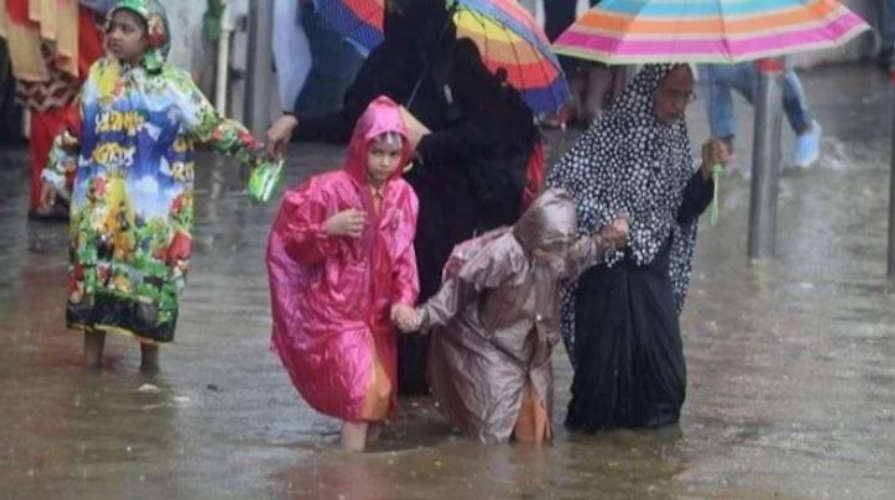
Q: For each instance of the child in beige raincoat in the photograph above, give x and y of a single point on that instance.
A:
(496, 318)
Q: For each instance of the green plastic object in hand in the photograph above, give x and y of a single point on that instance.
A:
(264, 181)
(717, 170)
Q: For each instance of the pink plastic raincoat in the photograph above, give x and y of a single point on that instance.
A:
(331, 296)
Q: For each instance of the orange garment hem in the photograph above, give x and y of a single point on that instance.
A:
(378, 398)
(116, 330)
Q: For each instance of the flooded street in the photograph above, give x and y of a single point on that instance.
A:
(791, 362)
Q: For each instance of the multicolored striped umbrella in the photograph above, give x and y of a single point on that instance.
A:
(506, 34)
(721, 31)
(508, 37)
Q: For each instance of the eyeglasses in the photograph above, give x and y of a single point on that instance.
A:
(678, 96)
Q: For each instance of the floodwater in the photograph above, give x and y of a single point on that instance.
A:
(791, 361)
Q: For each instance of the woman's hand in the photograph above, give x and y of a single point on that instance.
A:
(405, 318)
(348, 223)
(279, 134)
(714, 152)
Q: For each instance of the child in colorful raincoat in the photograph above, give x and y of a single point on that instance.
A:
(342, 268)
(132, 199)
(495, 320)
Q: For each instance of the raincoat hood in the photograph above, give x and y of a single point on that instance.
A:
(382, 116)
(552, 218)
(158, 31)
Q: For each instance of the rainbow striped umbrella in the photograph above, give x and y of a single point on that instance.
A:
(719, 31)
(505, 33)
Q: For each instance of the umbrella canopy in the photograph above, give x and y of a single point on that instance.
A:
(720, 31)
(507, 37)
(359, 20)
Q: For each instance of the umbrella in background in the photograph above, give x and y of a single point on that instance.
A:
(506, 34)
(719, 31)
(360, 20)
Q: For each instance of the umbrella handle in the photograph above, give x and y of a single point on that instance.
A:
(717, 170)
(419, 82)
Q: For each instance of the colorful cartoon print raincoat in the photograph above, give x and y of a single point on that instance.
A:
(132, 199)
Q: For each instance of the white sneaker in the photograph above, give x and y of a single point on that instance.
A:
(807, 150)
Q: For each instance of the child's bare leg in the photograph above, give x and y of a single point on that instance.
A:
(93, 348)
(374, 430)
(354, 436)
(148, 358)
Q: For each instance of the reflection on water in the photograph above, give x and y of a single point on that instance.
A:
(791, 375)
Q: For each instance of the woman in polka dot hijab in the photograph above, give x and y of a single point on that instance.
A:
(620, 321)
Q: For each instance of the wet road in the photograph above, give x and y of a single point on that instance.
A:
(791, 362)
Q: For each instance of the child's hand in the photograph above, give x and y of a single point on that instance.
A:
(47, 197)
(621, 224)
(348, 223)
(405, 318)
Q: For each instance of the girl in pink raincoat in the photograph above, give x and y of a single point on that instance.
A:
(342, 267)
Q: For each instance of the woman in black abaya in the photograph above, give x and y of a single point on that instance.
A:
(620, 322)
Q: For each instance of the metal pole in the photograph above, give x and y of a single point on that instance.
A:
(890, 270)
(766, 159)
(260, 66)
(223, 67)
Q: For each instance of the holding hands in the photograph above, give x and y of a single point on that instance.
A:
(615, 235)
(279, 134)
(406, 318)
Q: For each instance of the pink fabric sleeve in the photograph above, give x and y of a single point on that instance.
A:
(405, 280)
(300, 224)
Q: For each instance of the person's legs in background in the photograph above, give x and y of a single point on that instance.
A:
(720, 79)
(808, 131)
(886, 27)
(558, 16)
(601, 86)
(45, 126)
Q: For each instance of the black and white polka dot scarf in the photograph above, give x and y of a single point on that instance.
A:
(627, 162)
